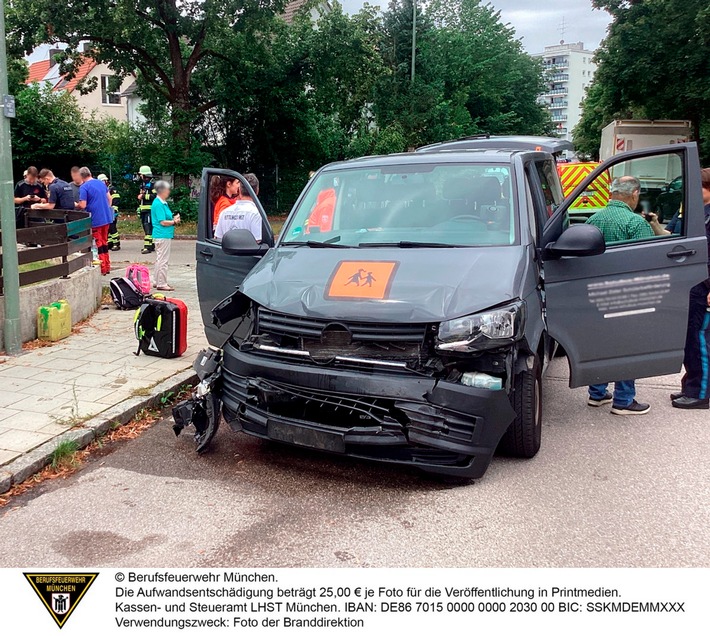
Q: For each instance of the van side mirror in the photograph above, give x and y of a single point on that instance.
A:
(577, 240)
(242, 243)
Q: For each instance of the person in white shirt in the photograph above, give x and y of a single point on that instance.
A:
(242, 214)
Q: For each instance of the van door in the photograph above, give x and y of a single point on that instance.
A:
(218, 274)
(622, 314)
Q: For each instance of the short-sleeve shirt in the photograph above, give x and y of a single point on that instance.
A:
(22, 189)
(61, 194)
(95, 194)
(618, 223)
(241, 215)
(160, 211)
(222, 204)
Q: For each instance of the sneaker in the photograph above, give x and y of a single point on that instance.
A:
(684, 402)
(146, 250)
(635, 408)
(116, 248)
(677, 396)
(607, 399)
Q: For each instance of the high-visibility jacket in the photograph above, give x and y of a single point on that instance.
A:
(147, 196)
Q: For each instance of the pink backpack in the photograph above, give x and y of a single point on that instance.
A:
(139, 275)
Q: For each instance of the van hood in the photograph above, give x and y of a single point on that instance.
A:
(406, 285)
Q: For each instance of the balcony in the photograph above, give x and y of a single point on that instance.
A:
(556, 91)
(562, 103)
(559, 118)
(558, 77)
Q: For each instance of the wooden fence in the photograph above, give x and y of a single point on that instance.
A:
(51, 235)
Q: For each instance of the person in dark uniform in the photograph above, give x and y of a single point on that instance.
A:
(61, 195)
(114, 238)
(145, 201)
(27, 192)
(695, 392)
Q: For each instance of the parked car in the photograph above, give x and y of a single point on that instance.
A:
(413, 320)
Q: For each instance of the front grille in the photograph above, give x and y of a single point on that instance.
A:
(270, 322)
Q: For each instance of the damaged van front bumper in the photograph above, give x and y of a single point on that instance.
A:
(440, 427)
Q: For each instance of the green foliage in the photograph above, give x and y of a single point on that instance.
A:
(229, 83)
(182, 203)
(654, 64)
(63, 453)
(50, 130)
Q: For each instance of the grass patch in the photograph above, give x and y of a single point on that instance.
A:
(31, 267)
(142, 392)
(106, 298)
(63, 454)
(131, 224)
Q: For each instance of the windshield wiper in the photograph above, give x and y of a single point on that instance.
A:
(408, 244)
(331, 242)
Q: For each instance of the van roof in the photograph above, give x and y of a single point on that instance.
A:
(552, 145)
(500, 156)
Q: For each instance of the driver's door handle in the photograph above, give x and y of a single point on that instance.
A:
(681, 253)
(207, 254)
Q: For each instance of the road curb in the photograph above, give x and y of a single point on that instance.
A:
(30, 463)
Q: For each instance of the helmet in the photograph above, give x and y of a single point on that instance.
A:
(102, 177)
(145, 171)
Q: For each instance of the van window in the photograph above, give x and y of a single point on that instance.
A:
(551, 186)
(661, 195)
(451, 204)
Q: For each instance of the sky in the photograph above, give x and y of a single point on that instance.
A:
(539, 25)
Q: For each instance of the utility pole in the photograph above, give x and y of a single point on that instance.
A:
(10, 267)
(414, 38)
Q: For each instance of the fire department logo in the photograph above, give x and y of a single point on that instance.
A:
(60, 593)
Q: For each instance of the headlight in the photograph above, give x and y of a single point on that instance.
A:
(487, 330)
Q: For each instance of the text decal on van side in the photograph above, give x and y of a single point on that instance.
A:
(361, 280)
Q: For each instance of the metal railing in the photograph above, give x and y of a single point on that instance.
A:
(59, 241)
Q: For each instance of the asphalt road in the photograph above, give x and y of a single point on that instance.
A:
(603, 491)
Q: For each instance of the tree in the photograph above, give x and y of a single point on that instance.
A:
(176, 47)
(653, 64)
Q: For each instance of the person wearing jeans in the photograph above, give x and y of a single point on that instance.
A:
(164, 223)
(619, 223)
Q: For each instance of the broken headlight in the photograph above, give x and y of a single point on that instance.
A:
(486, 330)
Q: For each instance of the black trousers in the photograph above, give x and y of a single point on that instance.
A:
(147, 229)
(696, 381)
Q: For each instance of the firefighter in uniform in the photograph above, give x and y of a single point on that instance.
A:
(114, 238)
(145, 200)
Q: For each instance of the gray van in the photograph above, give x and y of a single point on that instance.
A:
(410, 306)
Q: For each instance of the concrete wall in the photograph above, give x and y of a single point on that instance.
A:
(82, 291)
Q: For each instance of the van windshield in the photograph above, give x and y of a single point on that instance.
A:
(409, 205)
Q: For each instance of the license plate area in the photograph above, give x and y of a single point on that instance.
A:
(306, 436)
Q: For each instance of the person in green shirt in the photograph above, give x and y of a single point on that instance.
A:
(619, 223)
(164, 223)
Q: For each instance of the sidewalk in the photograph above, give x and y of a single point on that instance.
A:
(50, 392)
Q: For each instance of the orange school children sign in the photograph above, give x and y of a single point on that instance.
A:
(361, 280)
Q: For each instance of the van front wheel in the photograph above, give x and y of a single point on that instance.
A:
(522, 439)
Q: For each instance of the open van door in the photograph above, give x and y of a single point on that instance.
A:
(218, 274)
(622, 314)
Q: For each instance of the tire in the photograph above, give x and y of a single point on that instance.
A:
(522, 439)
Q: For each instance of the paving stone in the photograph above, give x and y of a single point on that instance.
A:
(16, 371)
(27, 420)
(15, 384)
(7, 398)
(6, 413)
(61, 364)
(21, 441)
(7, 456)
(54, 429)
(49, 389)
(46, 375)
(40, 404)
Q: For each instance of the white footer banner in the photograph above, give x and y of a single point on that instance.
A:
(92, 601)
